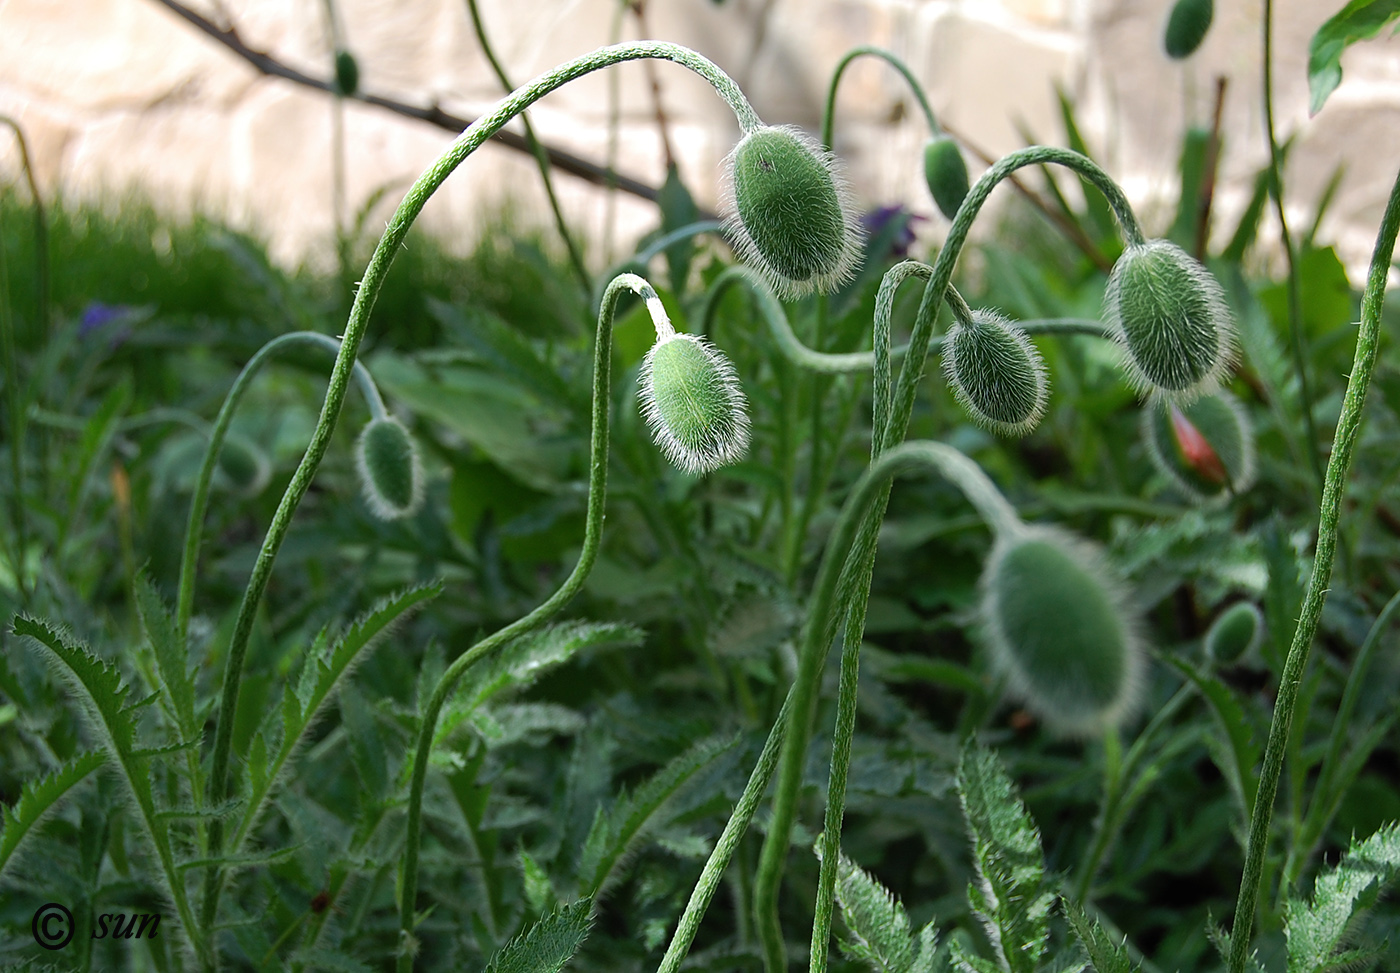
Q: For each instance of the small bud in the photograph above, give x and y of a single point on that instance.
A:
(243, 467)
(1187, 26)
(391, 474)
(791, 216)
(347, 74)
(1206, 447)
(1169, 314)
(946, 174)
(1236, 632)
(1058, 626)
(996, 373)
(692, 402)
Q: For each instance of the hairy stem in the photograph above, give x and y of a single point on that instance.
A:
(1334, 484)
(829, 113)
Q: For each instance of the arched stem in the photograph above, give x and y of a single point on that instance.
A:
(1334, 484)
(409, 208)
(593, 531)
(829, 113)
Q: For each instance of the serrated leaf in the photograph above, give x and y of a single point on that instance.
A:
(1011, 896)
(366, 747)
(1105, 955)
(1315, 930)
(547, 945)
(329, 959)
(966, 962)
(879, 926)
(1358, 21)
(172, 659)
(38, 798)
(1237, 762)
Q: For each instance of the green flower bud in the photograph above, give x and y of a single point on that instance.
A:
(391, 475)
(1205, 447)
(243, 467)
(692, 402)
(1058, 626)
(1169, 314)
(946, 174)
(996, 373)
(791, 218)
(1236, 632)
(1187, 26)
(347, 73)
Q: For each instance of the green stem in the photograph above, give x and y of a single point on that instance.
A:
(536, 149)
(1334, 484)
(822, 618)
(15, 406)
(829, 113)
(41, 224)
(593, 531)
(1295, 300)
(194, 526)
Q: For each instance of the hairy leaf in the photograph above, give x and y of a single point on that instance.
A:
(38, 798)
(1315, 930)
(880, 930)
(1105, 955)
(547, 945)
(172, 659)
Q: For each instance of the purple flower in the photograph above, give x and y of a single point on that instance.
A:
(97, 315)
(895, 224)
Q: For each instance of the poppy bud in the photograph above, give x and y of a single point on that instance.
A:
(692, 402)
(347, 74)
(243, 466)
(946, 174)
(1187, 26)
(996, 373)
(1235, 632)
(1206, 447)
(391, 475)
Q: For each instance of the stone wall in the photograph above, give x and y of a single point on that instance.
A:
(117, 95)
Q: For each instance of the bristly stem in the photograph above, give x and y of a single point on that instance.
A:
(409, 208)
(829, 113)
(593, 532)
(194, 526)
(536, 149)
(1295, 299)
(1329, 517)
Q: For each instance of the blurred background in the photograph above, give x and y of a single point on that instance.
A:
(123, 96)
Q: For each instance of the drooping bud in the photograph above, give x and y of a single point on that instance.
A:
(1236, 632)
(791, 216)
(1058, 626)
(1205, 447)
(946, 174)
(243, 467)
(1169, 314)
(997, 375)
(347, 73)
(1187, 26)
(391, 474)
(693, 404)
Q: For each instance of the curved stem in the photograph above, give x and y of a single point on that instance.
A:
(41, 224)
(593, 531)
(829, 113)
(536, 149)
(194, 526)
(1295, 299)
(822, 618)
(1334, 484)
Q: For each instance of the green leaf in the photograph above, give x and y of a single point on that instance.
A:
(547, 945)
(172, 659)
(1358, 21)
(678, 209)
(1237, 762)
(38, 798)
(1105, 955)
(966, 962)
(1315, 930)
(1011, 897)
(880, 931)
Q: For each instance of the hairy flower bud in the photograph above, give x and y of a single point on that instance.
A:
(1236, 632)
(1205, 447)
(243, 467)
(996, 373)
(1187, 26)
(692, 402)
(946, 174)
(347, 73)
(791, 216)
(391, 475)
(1169, 314)
(1058, 626)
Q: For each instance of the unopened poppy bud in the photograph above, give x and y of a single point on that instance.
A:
(1169, 314)
(1205, 447)
(997, 375)
(347, 73)
(1236, 632)
(1058, 626)
(946, 174)
(692, 402)
(791, 216)
(1187, 26)
(391, 475)
(243, 467)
